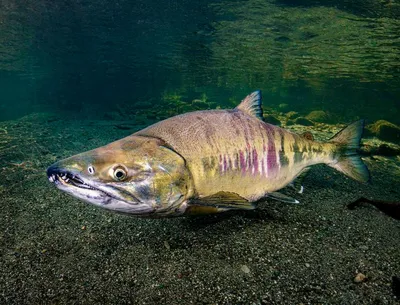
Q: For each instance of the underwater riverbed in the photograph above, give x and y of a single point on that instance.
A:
(56, 249)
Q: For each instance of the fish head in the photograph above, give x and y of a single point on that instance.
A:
(135, 175)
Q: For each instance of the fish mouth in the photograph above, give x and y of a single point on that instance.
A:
(107, 196)
(68, 179)
(65, 180)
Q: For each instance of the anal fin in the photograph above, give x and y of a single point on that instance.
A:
(224, 200)
(282, 197)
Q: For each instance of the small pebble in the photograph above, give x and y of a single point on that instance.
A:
(360, 278)
(166, 245)
(245, 269)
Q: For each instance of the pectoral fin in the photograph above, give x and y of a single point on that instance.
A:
(282, 197)
(224, 200)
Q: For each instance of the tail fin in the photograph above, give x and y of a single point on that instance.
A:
(347, 159)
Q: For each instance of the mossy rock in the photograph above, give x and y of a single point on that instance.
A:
(319, 116)
(272, 120)
(289, 123)
(385, 131)
(303, 121)
(292, 115)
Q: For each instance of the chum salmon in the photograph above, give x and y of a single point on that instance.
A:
(203, 162)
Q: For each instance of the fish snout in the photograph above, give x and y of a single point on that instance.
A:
(59, 175)
(53, 170)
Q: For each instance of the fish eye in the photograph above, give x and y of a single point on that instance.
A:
(90, 169)
(119, 173)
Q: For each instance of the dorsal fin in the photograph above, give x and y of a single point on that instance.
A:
(252, 105)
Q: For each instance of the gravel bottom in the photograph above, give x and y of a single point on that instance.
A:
(57, 250)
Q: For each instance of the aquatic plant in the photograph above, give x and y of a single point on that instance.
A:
(171, 97)
(173, 100)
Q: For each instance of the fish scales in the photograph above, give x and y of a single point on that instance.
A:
(224, 137)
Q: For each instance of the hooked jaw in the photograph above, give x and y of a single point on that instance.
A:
(96, 193)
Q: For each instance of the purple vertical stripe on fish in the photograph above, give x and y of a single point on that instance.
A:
(242, 161)
(255, 161)
(225, 164)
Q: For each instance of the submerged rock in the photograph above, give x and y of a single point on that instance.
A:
(359, 278)
(319, 116)
(303, 121)
(272, 120)
(385, 130)
(245, 269)
(386, 150)
(292, 115)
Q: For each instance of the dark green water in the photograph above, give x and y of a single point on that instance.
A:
(87, 58)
